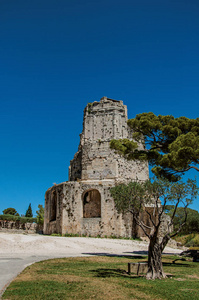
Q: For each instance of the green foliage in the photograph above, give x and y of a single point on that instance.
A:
(73, 235)
(192, 223)
(172, 144)
(135, 195)
(17, 219)
(89, 105)
(10, 211)
(28, 220)
(124, 147)
(128, 197)
(194, 242)
(56, 234)
(29, 213)
(9, 217)
(190, 240)
(40, 214)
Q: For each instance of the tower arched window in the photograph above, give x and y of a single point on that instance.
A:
(92, 204)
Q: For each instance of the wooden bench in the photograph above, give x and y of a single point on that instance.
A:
(140, 267)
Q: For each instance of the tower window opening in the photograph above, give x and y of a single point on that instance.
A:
(92, 204)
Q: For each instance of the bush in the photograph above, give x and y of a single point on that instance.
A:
(10, 211)
(27, 220)
(17, 218)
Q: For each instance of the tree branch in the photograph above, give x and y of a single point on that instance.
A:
(141, 225)
(150, 218)
(180, 227)
(174, 212)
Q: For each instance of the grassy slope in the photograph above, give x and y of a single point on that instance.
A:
(189, 240)
(103, 278)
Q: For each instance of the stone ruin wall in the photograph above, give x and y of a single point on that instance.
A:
(72, 220)
(95, 167)
(17, 227)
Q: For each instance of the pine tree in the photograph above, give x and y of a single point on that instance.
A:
(29, 213)
(171, 144)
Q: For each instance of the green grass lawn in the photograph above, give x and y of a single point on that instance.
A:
(101, 277)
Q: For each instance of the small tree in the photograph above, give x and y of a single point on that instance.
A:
(135, 197)
(40, 214)
(29, 213)
(10, 211)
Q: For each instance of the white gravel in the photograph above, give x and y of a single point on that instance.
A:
(34, 244)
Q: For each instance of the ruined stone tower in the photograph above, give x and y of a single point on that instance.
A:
(83, 205)
(103, 121)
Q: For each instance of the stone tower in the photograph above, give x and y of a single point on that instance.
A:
(104, 121)
(83, 204)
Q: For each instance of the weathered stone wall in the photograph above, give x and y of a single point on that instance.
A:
(72, 220)
(103, 121)
(95, 167)
(16, 226)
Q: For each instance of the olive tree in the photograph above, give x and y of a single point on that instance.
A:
(136, 196)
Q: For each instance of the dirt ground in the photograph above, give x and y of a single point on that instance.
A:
(35, 244)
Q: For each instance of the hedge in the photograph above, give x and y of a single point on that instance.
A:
(18, 219)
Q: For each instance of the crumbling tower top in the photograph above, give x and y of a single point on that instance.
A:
(103, 121)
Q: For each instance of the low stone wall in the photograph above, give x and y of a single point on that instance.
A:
(16, 226)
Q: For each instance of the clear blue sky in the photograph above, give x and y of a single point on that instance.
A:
(56, 56)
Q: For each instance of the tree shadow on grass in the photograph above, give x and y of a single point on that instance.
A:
(114, 273)
(119, 273)
(136, 253)
(116, 255)
(145, 252)
(171, 264)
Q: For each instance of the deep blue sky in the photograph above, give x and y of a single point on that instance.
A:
(56, 56)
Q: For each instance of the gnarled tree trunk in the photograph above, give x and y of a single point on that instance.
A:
(155, 268)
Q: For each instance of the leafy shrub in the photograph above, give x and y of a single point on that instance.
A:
(17, 219)
(27, 220)
(56, 234)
